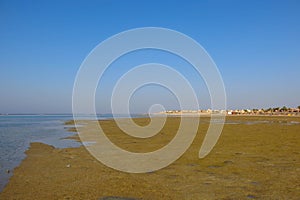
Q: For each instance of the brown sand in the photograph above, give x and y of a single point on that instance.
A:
(250, 161)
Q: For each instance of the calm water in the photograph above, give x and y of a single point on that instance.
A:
(18, 131)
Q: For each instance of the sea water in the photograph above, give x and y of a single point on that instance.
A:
(18, 131)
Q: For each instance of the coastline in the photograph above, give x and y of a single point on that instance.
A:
(226, 115)
(249, 161)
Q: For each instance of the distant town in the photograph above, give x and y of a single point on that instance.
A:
(269, 111)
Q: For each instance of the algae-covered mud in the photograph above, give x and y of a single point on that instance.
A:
(255, 158)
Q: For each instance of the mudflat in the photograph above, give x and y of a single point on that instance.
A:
(256, 157)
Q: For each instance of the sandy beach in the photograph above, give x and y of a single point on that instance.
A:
(255, 158)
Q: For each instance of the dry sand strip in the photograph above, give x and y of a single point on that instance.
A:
(258, 160)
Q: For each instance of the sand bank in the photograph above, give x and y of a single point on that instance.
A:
(250, 161)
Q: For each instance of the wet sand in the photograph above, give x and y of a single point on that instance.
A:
(255, 158)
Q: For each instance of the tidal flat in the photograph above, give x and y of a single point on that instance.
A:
(256, 157)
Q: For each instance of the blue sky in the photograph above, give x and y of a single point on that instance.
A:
(255, 44)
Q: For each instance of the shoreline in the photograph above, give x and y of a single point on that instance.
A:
(242, 165)
(226, 115)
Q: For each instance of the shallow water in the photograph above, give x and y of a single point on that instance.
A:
(18, 131)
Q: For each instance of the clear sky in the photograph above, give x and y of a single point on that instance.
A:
(255, 44)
